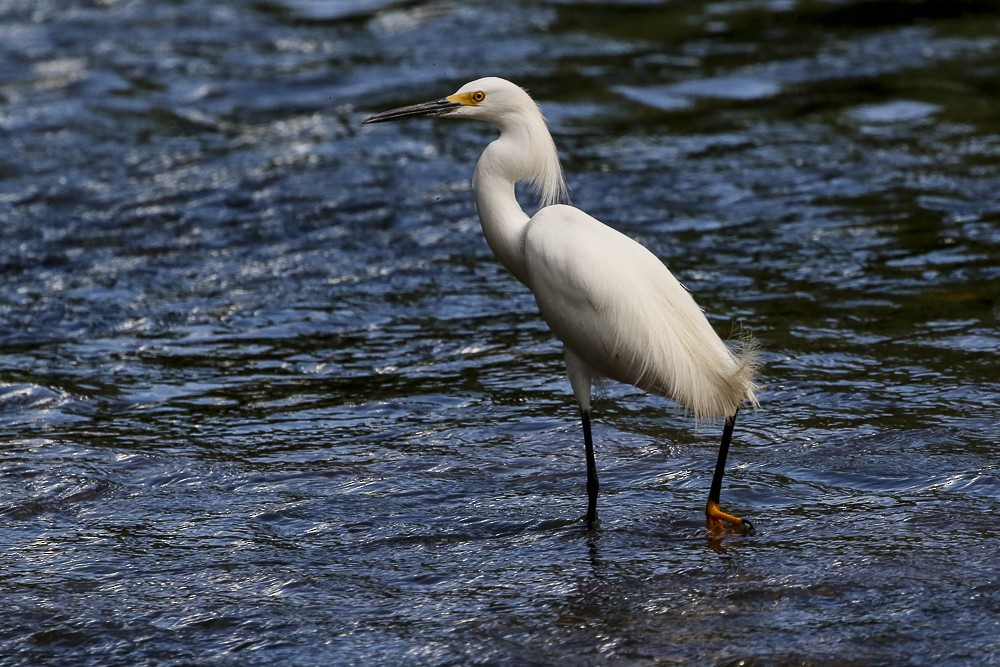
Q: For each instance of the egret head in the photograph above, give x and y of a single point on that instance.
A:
(491, 99)
(525, 150)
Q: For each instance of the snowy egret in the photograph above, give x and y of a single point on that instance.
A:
(618, 310)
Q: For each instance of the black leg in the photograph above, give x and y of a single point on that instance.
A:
(716, 517)
(720, 464)
(593, 486)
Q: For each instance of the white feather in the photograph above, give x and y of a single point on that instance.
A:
(618, 309)
(620, 313)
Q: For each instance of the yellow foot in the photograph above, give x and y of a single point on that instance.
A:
(720, 523)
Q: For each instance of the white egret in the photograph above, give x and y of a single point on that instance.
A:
(618, 310)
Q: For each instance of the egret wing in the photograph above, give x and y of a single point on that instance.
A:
(617, 307)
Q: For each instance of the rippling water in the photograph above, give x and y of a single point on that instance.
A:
(265, 396)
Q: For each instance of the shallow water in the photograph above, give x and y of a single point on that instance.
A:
(265, 396)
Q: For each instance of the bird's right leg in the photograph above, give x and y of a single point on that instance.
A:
(580, 377)
(593, 486)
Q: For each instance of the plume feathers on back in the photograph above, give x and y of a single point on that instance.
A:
(614, 304)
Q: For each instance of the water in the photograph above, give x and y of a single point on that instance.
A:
(266, 398)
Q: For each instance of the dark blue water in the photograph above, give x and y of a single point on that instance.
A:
(266, 397)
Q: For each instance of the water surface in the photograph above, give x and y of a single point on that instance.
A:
(266, 398)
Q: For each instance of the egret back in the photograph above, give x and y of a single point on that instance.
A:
(620, 310)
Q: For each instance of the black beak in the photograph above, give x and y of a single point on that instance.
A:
(436, 108)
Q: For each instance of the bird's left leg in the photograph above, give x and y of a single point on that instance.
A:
(719, 521)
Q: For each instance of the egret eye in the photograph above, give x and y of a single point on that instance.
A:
(478, 96)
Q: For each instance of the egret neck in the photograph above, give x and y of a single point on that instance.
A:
(524, 151)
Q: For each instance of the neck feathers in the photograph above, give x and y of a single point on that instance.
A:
(548, 182)
(526, 153)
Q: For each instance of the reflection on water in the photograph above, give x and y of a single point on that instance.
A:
(266, 397)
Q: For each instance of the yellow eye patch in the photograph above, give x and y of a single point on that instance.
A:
(468, 99)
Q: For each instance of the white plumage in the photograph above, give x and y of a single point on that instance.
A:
(629, 321)
(617, 309)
